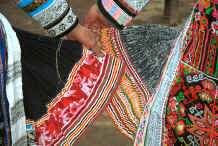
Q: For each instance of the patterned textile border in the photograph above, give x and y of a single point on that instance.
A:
(89, 89)
(5, 129)
(14, 93)
(55, 16)
(125, 57)
(150, 129)
(134, 6)
(127, 105)
(116, 12)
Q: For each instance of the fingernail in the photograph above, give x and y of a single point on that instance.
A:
(99, 45)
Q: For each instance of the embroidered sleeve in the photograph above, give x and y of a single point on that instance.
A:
(121, 12)
(55, 16)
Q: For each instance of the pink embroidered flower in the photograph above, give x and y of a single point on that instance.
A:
(182, 110)
(198, 16)
(203, 22)
(139, 136)
(173, 104)
(82, 101)
(216, 1)
(180, 127)
(200, 7)
(207, 84)
(199, 105)
(74, 107)
(66, 115)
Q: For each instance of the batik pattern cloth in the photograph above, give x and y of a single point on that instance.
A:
(88, 90)
(11, 84)
(95, 84)
(55, 16)
(187, 102)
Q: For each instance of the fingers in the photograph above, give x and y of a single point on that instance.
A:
(86, 21)
(95, 24)
(96, 46)
(97, 51)
(88, 38)
(94, 20)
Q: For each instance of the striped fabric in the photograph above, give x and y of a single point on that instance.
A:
(89, 89)
(135, 6)
(127, 105)
(95, 84)
(116, 12)
(121, 12)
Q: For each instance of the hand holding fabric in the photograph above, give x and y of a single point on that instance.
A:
(94, 20)
(88, 38)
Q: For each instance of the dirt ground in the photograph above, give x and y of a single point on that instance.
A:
(102, 133)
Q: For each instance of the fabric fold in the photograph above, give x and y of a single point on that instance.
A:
(14, 93)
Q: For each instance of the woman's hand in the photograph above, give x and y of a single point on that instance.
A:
(87, 38)
(94, 20)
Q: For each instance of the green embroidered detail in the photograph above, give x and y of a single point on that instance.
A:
(209, 10)
(180, 97)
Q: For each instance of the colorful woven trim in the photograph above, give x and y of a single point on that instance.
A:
(94, 85)
(150, 129)
(127, 105)
(89, 89)
(54, 15)
(134, 6)
(113, 12)
(200, 47)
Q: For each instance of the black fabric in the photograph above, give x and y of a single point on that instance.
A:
(39, 70)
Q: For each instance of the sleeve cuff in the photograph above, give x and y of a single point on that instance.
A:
(64, 26)
(54, 15)
(117, 14)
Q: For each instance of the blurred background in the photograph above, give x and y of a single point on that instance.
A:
(103, 132)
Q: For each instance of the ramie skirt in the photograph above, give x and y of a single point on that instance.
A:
(65, 87)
